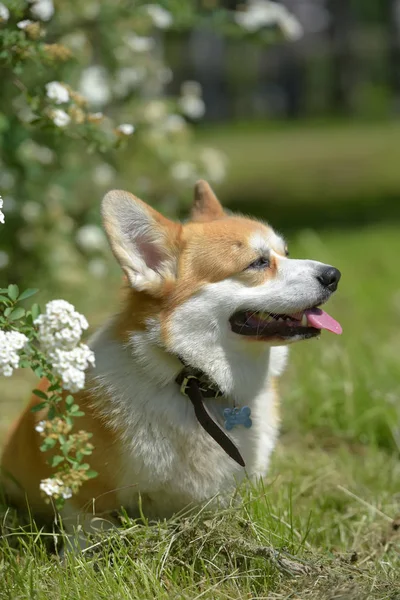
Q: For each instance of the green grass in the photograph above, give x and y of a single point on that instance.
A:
(339, 173)
(332, 496)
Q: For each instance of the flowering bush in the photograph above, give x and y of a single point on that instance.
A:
(81, 80)
(50, 344)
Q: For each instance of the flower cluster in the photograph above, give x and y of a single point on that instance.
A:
(265, 13)
(11, 342)
(55, 488)
(59, 332)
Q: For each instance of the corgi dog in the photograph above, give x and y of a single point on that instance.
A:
(183, 399)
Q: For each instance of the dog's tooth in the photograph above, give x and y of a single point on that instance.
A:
(304, 320)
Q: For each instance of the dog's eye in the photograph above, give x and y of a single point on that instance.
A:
(260, 263)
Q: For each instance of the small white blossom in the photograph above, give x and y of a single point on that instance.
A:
(126, 128)
(60, 117)
(41, 426)
(70, 366)
(127, 79)
(139, 43)
(59, 331)
(215, 164)
(103, 174)
(57, 91)
(174, 124)
(91, 238)
(192, 106)
(31, 211)
(97, 267)
(160, 17)
(60, 326)
(191, 102)
(10, 343)
(263, 13)
(55, 487)
(2, 218)
(42, 9)
(4, 12)
(94, 85)
(4, 259)
(24, 24)
(183, 170)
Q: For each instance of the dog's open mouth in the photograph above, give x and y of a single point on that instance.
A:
(302, 325)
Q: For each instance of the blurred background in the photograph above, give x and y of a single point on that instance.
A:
(290, 109)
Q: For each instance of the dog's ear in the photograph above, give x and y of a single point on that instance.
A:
(142, 240)
(206, 206)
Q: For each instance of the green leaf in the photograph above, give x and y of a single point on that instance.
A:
(78, 413)
(91, 474)
(40, 394)
(52, 413)
(16, 314)
(8, 311)
(13, 291)
(47, 444)
(39, 406)
(56, 460)
(84, 466)
(4, 298)
(54, 387)
(35, 311)
(69, 400)
(27, 294)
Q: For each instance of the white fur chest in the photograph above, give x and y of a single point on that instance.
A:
(168, 459)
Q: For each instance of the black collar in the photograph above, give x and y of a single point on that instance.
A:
(196, 386)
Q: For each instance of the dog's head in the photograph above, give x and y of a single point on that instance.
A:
(219, 281)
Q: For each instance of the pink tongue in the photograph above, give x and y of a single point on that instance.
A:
(321, 320)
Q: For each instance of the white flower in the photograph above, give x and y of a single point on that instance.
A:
(57, 91)
(97, 268)
(192, 106)
(59, 333)
(126, 128)
(4, 259)
(4, 12)
(139, 43)
(191, 103)
(60, 326)
(214, 163)
(55, 487)
(42, 9)
(70, 366)
(60, 117)
(40, 427)
(154, 111)
(103, 174)
(174, 124)
(2, 218)
(262, 13)
(24, 24)
(160, 17)
(31, 211)
(91, 238)
(94, 85)
(127, 79)
(183, 170)
(10, 343)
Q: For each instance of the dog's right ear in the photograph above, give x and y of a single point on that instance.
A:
(206, 206)
(142, 240)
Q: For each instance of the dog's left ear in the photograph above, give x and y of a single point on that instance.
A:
(206, 206)
(142, 240)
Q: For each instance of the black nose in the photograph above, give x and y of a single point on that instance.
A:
(329, 277)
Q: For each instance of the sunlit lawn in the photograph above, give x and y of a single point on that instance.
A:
(333, 493)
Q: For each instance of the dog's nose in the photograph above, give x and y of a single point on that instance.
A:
(329, 278)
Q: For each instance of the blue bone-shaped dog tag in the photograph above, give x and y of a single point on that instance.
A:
(237, 416)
